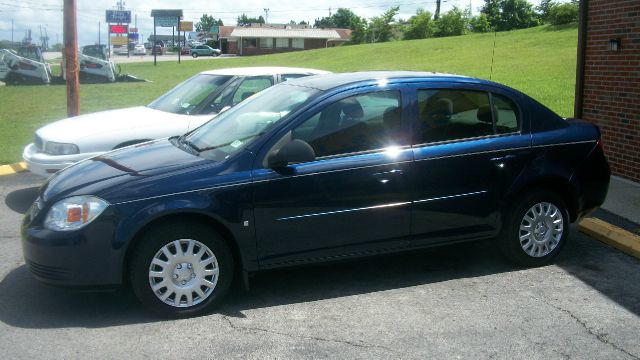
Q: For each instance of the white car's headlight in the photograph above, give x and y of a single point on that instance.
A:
(74, 213)
(56, 148)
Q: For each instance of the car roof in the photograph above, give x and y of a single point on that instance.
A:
(330, 81)
(263, 70)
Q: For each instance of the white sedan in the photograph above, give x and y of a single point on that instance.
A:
(184, 108)
(139, 50)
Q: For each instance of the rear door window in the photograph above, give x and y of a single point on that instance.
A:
(250, 86)
(456, 114)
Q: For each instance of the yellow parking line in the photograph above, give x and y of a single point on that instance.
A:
(13, 168)
(619, 238)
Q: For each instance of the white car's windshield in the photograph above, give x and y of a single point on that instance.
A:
(236, 128)
(190, 94)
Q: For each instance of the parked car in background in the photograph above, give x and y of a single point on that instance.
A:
(157, 50)
(204, 50)
(120, 50)
(185, 50)
(315, 169)
(4, 69)
(139, 50)
(183, 108)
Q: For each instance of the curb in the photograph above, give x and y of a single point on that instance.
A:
(13, 168)
(612, 235)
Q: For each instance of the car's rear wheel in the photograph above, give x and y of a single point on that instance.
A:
(536, 230)
(194, 55)
(181, 269)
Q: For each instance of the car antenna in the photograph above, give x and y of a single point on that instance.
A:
(493, 54)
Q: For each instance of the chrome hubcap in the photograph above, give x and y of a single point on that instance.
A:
(541, 229)
(183, 273)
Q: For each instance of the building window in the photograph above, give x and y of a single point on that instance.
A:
(282, 43)
(266, 43)
(297, 43)
(249, 42)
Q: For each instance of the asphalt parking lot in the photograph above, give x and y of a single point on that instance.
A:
(457, 302)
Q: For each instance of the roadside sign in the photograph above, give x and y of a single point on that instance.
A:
(119, 40)
(166, 21)
(186, 26)
(133, 30)
(118, 29)
(119, 16)
(214, 29)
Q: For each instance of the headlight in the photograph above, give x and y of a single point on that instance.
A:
(55, 148)
(74, 213)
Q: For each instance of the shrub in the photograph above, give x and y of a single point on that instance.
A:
(563, 13)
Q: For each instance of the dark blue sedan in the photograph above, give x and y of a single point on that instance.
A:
(316, 169)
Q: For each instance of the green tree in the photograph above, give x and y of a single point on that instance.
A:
(206, 22)
(421, 26)
(342, 18)
(244, 20)
(563, 13)
(544, 9)
(506, 15)
(380, 28)
(491, 9)
(452, 23)
(516, 14)
(480, 24)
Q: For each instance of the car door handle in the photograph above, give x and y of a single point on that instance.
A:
(503, 158)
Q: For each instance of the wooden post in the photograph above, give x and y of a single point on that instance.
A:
(71, 58)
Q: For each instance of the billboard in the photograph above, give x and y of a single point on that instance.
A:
(119, 40)
(166, 21)
(118, 29)
(186, 26)
(119, 16)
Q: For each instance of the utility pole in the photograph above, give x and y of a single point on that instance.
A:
(99, 36)
(12, 33)
(71, 57)
(266, 15)
(437, 15)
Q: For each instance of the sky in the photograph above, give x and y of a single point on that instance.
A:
(47, 14)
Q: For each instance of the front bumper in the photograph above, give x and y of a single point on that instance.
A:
(82, 258)
(46, 165)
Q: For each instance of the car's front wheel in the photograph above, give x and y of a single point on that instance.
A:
(181, 269)
(536, 230)
(194, 55)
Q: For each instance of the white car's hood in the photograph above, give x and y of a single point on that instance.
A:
(103, 130)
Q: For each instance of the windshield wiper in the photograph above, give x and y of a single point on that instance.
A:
(192, 146)
(229, 143)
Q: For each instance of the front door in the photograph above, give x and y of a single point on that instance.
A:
(353, 199)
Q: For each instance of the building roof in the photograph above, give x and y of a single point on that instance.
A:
(260, 32)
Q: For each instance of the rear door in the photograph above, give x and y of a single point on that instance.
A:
(469, 145)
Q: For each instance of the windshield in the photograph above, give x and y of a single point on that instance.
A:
(236, 128)
(190, 94)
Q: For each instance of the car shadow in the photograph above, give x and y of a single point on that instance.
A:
(26, 303)
(20, 200)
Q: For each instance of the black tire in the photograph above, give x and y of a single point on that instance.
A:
(537, 253)
(151, 244)
(194, 55)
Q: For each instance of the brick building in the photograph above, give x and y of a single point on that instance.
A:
(260, 39)
(608, 79)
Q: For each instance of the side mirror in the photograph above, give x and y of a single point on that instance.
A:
(296, 151)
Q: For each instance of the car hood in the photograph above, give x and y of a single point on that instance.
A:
(102, 174)
(118, 125)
